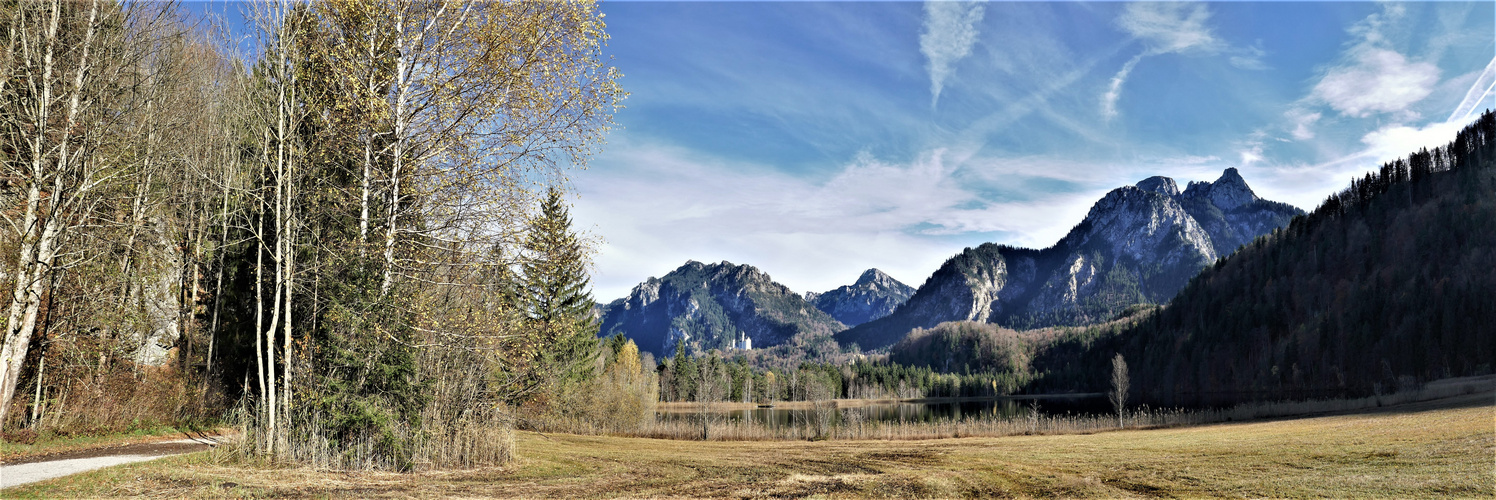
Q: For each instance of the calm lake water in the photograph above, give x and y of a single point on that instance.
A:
(995, 408)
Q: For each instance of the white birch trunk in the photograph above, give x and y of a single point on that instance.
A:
(31, 279)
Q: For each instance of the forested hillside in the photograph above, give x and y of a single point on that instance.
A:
(1388, 284)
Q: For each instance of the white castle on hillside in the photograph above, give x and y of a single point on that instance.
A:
(743, 343)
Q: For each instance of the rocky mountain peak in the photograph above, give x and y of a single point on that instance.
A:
(1226, 193)
(873, 276)
(1139, 243)
(711, 306)
(1160, 184)
(1140, 224)
(874, 295)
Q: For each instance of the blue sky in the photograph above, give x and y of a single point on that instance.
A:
(815, 140)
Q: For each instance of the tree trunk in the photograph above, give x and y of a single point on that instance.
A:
(402, 94)
(35, 262)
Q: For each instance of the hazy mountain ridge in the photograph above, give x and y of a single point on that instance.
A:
(1139, 243)
(874, 295)
(711, 305)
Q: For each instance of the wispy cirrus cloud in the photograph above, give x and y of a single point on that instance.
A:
(949, 33)
(1163, 28)
(1301, 120)
(1170, 27)
(1249, 58)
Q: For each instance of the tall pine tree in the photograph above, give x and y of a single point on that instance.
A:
(555, 299)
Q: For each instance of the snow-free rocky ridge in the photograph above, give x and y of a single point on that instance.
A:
(874, 295)
(1138, 244)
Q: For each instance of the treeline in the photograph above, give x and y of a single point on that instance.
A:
(1386, 285)
(998, 366)
(355, 227)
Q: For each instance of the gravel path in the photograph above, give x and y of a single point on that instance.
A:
(83, 461)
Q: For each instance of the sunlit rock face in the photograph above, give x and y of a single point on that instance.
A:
(1138, 244)
(713, 306)
(873, 296)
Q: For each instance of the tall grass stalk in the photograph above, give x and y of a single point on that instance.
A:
(853, 425)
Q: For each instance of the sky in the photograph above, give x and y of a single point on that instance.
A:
(816, 140)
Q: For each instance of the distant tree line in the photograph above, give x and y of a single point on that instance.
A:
(985, 368)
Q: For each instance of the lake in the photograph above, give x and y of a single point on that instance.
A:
(909, 410)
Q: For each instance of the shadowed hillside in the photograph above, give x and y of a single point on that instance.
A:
(1387, 284)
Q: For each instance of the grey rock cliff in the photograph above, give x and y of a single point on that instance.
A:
(1139, 243)
(709, 306)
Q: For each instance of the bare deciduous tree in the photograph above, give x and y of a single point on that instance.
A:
(61, 97)
(1120, 384)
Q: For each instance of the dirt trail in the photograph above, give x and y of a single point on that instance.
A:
(25, 471)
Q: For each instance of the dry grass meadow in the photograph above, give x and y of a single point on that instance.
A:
(1437, 448)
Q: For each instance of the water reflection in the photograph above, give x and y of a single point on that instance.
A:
(911, 412)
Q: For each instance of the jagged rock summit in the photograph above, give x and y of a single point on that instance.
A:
(1227, 192)
(713, 306)
(1139, 243)
(874, 295)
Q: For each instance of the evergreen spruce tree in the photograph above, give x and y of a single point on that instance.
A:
(555, 299)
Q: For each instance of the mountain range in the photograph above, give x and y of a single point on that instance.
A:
(1138, 244)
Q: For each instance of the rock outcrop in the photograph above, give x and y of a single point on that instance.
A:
(1138, 244)
(873, 296)
(713, 306)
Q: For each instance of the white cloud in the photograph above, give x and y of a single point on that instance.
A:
(1301, 119)
(1377, 80)
(1373, 77)
(1164, 28)
(1251, 154)
(1170, 27)
(1249, 58)
(1307, 185)
(950, 32)
(657, 207)
(1114, 89)
(1396, 141)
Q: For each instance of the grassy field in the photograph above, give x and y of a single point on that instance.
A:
(1439, 448)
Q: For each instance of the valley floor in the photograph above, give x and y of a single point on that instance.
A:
(1435, 448)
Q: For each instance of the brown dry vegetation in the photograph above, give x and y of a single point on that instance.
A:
(1439, 448)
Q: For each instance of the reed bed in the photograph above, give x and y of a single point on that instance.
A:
(827, 422)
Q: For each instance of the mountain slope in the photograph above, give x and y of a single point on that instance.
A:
(1139, 243)
(873, 296)
(1386, 285)
(709, 306)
